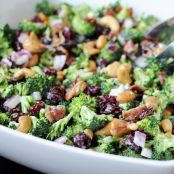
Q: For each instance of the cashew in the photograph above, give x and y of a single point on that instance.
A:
(33, 61)
(89, 133)
(33, 44)
(123, 73)
(167, 113)
(126, 96)
(151, 101)
(101, 42)
(166, 125)
(117, 128)
(110, 22)
(89, 48)
(92, 66)
(60, 75)
(111, 69)
(75, 90)
(24, 72)
(25, 124)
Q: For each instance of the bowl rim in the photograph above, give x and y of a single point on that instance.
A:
(51, 144)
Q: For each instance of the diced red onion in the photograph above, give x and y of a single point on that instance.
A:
(141, 62)
(37, 95)
(6, 62)
(146, 152)
(59, 62)
(139, 138)
(23, 37)
(12, 102)
(112, 48)
(116, 91)
(61, 140)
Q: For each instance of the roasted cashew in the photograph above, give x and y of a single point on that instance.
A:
(91, 67)
(33, 44)
(101, 42)
(75, 90)
(110, 22)
(126, 96)
(25, 124)
(151, 101)
(33, 61)
(90, 49)
(166, 125)
(24, 72)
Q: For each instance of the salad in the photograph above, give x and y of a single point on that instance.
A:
(88, 78)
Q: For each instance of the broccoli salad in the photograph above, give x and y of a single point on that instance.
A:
(89, 79)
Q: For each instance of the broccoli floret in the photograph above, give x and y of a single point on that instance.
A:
(66, 11)
(7, 36)
(129, 105)
(46, 60)
(57, 128)
(26, 103)
(4, 119)
(147, 77)
(93, 121)
(82, 10)
(28, 26)
(82, 100)
(8, 91)
(45, 7)
(77, 69)
(40, 127)
(107, 145)
(107, 85)
(13, 125)
(73, 129)
(111, 54)
(96, 79)
(130, 153)
(162, 147)
(41, 83)
(149, 125)
(82, 27)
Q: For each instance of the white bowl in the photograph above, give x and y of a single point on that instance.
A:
(50, 157)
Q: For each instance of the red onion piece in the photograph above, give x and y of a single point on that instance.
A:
(12, 102)
(59, 62)
(6, 62)
(141, 62)
(139, 138)
(36, 95)
(61, 140)
(146, 152)
(23, 37)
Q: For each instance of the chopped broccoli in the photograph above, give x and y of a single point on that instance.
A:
(66, 11)
(41, 83)
(8, 91)
(107, 145)
(129, 105)
(93, 121)
(45, 7)
(147, 77)
(96, 79)
(82, 27)
(57, 128)
(130, 153)
(26, 103)
(162, 147)
(82, 100)
(149, 125)
(40, 127)
(82, 10)
(110, 54)
(46, 60)
(4, 119)
(28, 26)
(6, 39)
(107, 85)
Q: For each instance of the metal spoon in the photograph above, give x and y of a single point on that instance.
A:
(165, 32)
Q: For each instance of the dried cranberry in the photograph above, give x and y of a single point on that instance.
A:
(55, 95)
(128, 141)
(101, 63)
(36, 19)
(34, 110)
(81, 140)
(14, 110)
(67, 32)
(102, 30)
(112, 48)
(109, 105)
(50, 72)
(92, 90)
